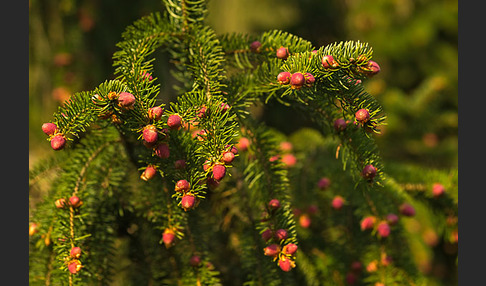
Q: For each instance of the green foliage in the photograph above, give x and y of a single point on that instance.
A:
(123, 222)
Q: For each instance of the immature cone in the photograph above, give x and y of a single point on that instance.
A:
(180, 164)
(150, 134)
(392, 219)
(195, 260)
(267, 234)
(255, 46)
(202, 112)
(337, 203)
(174, 121)
(328, 61)
(284, 77)
(309, 79)
(272, 250)
(280, 234)
(126, 99)
(362, 116)
(188, 201)
(155, 113)
(383, 229)
(162, 151)
(285, 264)
(58, 142)
(74, 266)
(305, 221)
(371, 69)
(228, 157)
(369, 172)
(60, 203)
(274, 204)
(438, 190)
(282, 53)
(182, 186)
(149, 173)
(407, 210)
(290, 249)
(75, 252)
(289, 160)
(324, 183)
(33, 228)
(219, 171)
(49, 128)
(340, 124)
(75, 201)
(168, 237)
(243, 144)
(297, 80)
(368, 223)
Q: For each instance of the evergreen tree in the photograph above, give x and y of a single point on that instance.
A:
(199, 191)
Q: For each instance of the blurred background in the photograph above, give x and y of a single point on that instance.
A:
(71, 43)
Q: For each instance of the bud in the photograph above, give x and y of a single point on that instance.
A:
(289, 160)
(324, 183)
(369, 172)
(340, 124)
(49, 128)
(195, 260)
(305, 221)
(267, 234)
(337, 203)
(274, 204)
(168, 237)
(407, 210)
(162, 151)
(271, 250)
(368, 223)
(75, 201)
(392, 218)
(438, 190)
(284, 77)
(255, 46)
(180, 164)
(155, 113)
(58, 142)
(290, 248)
(150, 134)
(182, 186)
(74, 266)
(219, 171)
(362, 116)
(281, 234)
(188, 201)
(243, 144)
(174, 121)
(202, 112)
(328, 61)
(309, 79)
(33, 228)
(228, 157)
(75, 252)
(282, 53)
(383, 229)
(60, 203)
(126, 99)
(297, 80)
(285, 264)
(149, 173)
(371, 69)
